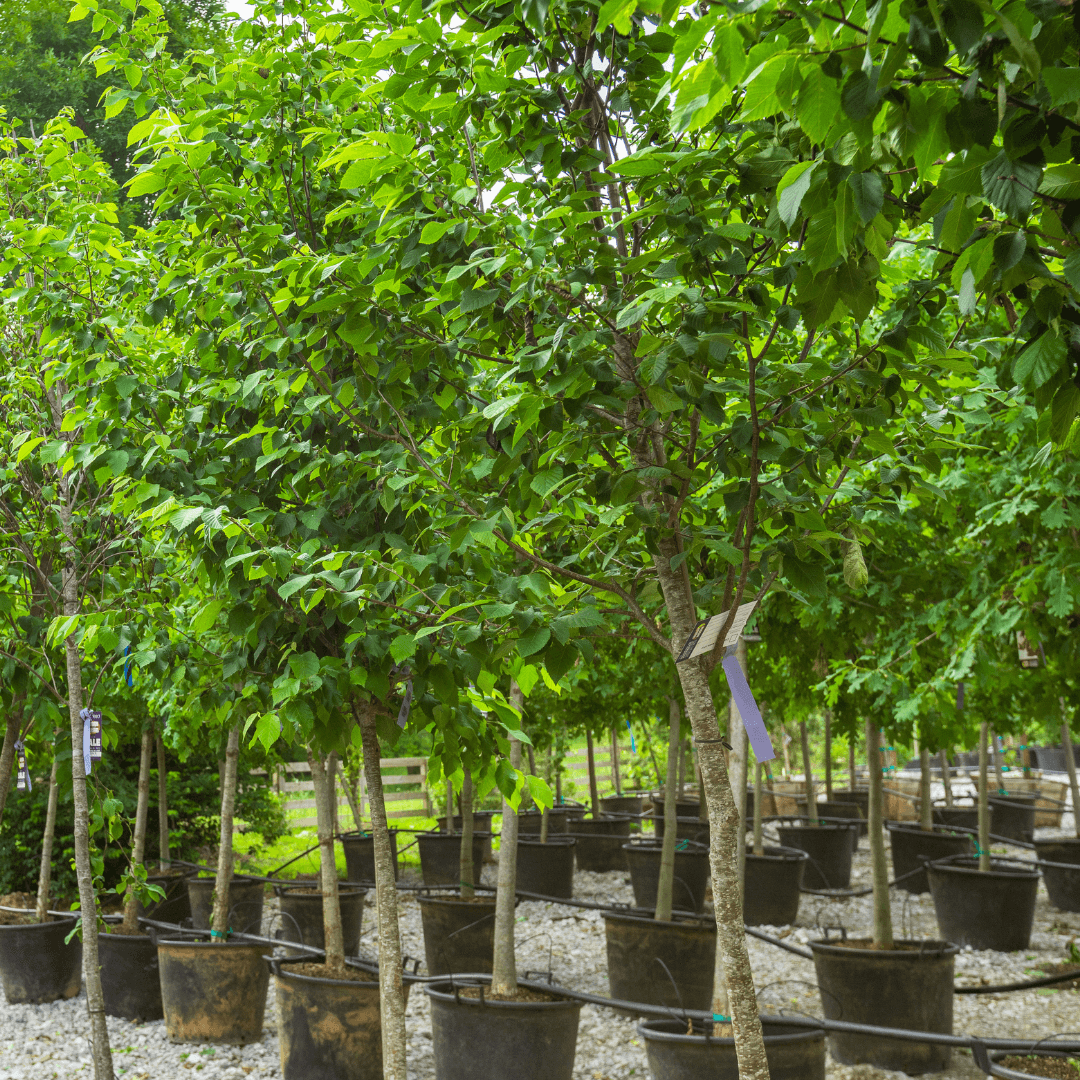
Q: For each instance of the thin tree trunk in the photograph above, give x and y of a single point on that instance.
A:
(665, 886)
(504, 966)
(219, 921)
(391, 987)
(7, 753)
(883, 931)
(45, 874)
(655, 764)
(737, 763)
(328, 880)
(95, 1001)
(984, 805)
(1070, 764)
(851, 762)
(808, 775)
(702, 802)
(759, 847)
(351, 784)
(449, 805)
(828, 755)
(785, 742)
(615, 775)
(142, 818)
(946, 779)
(998, 774)
(164, 858)
(467, 872)
(926, 806)
(594, 794)
(682, 769)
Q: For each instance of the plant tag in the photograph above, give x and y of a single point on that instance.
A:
(95, 734)
(1029, 657)
(703, 637)
(406, 705)
(23, 782)
(748, 710)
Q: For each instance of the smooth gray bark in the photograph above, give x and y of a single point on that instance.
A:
(946, 778)
(738, 759)
(1070, 764)
(926, 806)
(142, 818)
(328, 879)
(45, 872)
(808, 775)
(883, 930)
(504, 966)
(594, 794)
(984, 804)
(665, 886)
(467, 872)
(219, 920)
(828, 755)
(164, 858)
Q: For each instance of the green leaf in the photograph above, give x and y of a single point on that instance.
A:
(304, 665)
(1009, 249)
(1063, 411)
(1040, 360)
(1010, 185)
(533, 641)
(664, 401)
(267, 730)
(1062, 83)
(860, 97)
(402, 647)
(534, 12)
(1024, 46)
(475, 299)
(819, 105)
(540, 792)
(968, 296)
(434, 231)
(206, 617)
(805, 577)
(617, 13)
(1071, 269)
(293, 585)
(1061, 182)
(790, 191)
(28, 448)
(869, 195)
(146, 183)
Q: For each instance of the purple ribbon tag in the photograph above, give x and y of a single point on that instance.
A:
(748, 710)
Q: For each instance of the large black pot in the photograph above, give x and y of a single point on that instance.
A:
(459, 935)
(35, 963)
(1014, 817)
(1059, 861)
(792, 1053)
(359, 851)
(302, 916)
(772, 884)
(683, 807)
(961, 817)
(530, 821)
(245, 903)
(130, 982)
(599, 846)
(686, 828)
(911, 846)
(691, 873)
(622, 804)
(440, 856)
(328, 1029)
(845, 811)
(213, 993)
(991, 909)
(176, 906)
(860, 797)
(547, 869)
(482, 823)
(908, 987)
(992, 1065)
(481, 1039)
(646, 957)
(829, 848)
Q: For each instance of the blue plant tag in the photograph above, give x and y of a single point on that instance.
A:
(748, 710)
(633, 743)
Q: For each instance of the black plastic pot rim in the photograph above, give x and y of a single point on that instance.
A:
(952, 865)
(650, 1029)
(935, 830)
(847, 824)
(563, 839)
(789, 854)
(276, 963)
(686, 847)
(928, 947)
(61, 916)
(1022, 800)
(453, 899)
(478, 834)
(350, 888)
(435, 990)
(648, 916)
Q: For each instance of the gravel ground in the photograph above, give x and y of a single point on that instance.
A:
(49, 1042)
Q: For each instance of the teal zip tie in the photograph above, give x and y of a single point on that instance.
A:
(721, 1019)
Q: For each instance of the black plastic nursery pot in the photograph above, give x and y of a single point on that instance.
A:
(683, 807)
(911, 846)
(908, 987)
(641, 953)
(622, 804)
(482, 820)
(992, 909)
(530, 821)
(176, 906)
(1036, 1055)
(1060, 866)
(691, 873)
(359, 851)
(328, 1029)
(440, 856)
(35, 963)
(771, 886)
(792, 1053)
(829, 851)
(245, 903)
(686, 828)
(860, 797)
(459, 935)
(961, 817)
(1014, 817)
(302, 915)
(475, 1038)
(548, 868)
(599, 846)
(846, 811)
(212, 993)
(130, 982)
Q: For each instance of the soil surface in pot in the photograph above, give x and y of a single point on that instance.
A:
(1053, 1067)
(318, 971)
(522, 993)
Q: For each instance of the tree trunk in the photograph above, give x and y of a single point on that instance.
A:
(164, 859)
(391, 987)
(142, 817)
(449, 805)
(504, 967)
(998, 774)
(702, 802)
(351, 784)
(1070, 764)
(926, 806)
(615, 775)
(759, 848)
(785, 742)
(45, 875)
(883, 931)
(828, 755)
(738, 760)
(808, 775)
(7, 754)
(594, 795)
(665, 886)
(946, 779)
(682, 770)
(219, 921)
(851, 762)
(467, 872)
(95, 1002)
(984, 805)
(328, 880)
(733, 961)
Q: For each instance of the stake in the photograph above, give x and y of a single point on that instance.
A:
(594, 795)
(851, 762)
(466, 870)
(164, 860)
(883, 932)
(666, 882)
(142, 814)
(946, 777)
(828, 755)
(504, 966)
(984, 805)
(219, 922)
(45, 875)
(926, 808)
(1070, 764)
(328, 880)
(391, 988)
(811, 800)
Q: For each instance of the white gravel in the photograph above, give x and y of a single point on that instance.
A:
(49, 1042)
